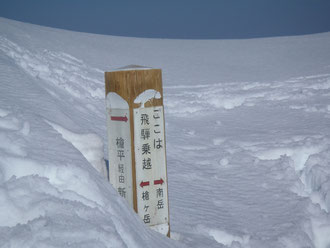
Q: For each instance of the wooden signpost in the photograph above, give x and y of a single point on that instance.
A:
(136, 138)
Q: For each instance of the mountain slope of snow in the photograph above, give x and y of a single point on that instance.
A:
(248, 140)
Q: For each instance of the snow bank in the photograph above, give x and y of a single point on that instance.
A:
(90, 146)
(247, 131)
(52, 132)
(316, 175)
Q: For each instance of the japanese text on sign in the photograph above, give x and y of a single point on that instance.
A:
(120, 153)
(151, 165)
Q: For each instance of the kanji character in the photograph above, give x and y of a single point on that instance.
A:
(120, 143)
(144, 119)
(120, 154)
(146, 164)
(145, 149)
(145, 133)
(120, 168)
(160, 204)
(159, 192)
(145, 195)
(122, 192)
(121, 179)
(146, 218)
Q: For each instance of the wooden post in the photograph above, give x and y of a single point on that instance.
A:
(136, 140)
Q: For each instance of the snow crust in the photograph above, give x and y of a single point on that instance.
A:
(132, 67)
(247, 131)
(146, 96)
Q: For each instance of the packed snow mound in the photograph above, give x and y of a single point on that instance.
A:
(247, 130)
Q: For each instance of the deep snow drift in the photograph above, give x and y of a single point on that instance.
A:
(248, 140)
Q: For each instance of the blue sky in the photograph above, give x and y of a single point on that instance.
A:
(187, 19)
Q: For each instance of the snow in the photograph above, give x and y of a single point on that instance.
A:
(247, 131)
(161, 228)
(90, 145)
(113, 100)
(228, 239)
(133, 67)
(146, 96)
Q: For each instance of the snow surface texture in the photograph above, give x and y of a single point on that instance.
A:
(248, 140)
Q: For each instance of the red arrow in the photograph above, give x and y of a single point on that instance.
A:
(142, 184)
(119, 118)
(160, 181)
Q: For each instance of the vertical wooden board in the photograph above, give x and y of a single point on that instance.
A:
(121, 82)
(129, 84)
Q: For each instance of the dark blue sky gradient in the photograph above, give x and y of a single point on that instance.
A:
(185, 19)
